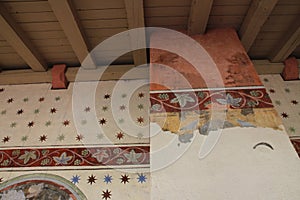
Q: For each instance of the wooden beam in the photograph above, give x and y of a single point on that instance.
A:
(287, 44)
(256, 17)
(17, 38)
(66, 14)
(113, 72)
(135, 17)
(267, 67)
(199, 14)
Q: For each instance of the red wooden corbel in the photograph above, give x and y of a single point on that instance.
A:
(59, 79)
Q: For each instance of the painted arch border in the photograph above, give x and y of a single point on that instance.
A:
(73, 189)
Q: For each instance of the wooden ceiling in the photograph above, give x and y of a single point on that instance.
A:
(36, 34)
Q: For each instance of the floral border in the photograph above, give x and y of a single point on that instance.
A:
(94, 156)
(189, 101)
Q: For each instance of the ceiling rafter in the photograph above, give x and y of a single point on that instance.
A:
(288, 44)
(66, 14)
(114, 72)
(135, 17)
(199, 14)
(257, 15)
(17, 38)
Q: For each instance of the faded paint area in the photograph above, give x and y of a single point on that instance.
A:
(176, 123)
(225, 49)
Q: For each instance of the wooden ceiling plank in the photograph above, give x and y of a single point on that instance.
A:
(167, 3)
(105, 23)
(27, 6)
(103, 32)
(65, 12)
(170, 12)
(113, 72)
(135, 17)
(17, 38)
(117, 13)
(166, 21)
(257, 15)
(288, 44)
(233, 10)
(199, 14)
(98, 5)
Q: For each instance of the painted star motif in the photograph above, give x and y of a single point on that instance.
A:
(284, 115)
(120, 135)
(61, 137)
(140, 120)
(107, 179)
(53, 110)
(125, 179)
(6, 139)
(24, 138)
(66, 122)
(19, 112)
(287, 90)
(57, 98)
(124, 95)
(91, 179)
(140, 106)
(106, 96)
(122, 107)
(48, 123)
(141, 178)
(30, 124)
(36, 111)
(41, 99)
(272, 91)
(13, 125)
(141, 95)
(75, 179)
(10, 100)
(104, 108)
(26, 99)
(79, 137)
(102, 121)
(294, 102)
(87, 109)
(43, 138)
(277, 102)
(106, 194)
(292, 129)
(3, 112)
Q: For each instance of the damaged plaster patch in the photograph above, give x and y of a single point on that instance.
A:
(214, 125)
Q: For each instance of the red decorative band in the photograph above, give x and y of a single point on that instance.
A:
(83, 156)
(202, 100)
